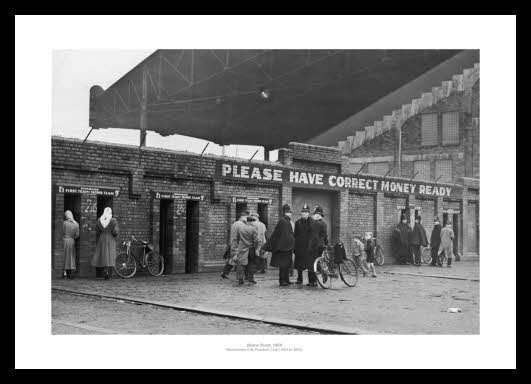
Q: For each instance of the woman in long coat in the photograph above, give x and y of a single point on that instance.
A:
(302, 233)
(106, 233)
(281, 245)
(70, 233)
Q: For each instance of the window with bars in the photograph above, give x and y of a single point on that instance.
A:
(443, 168)
(450, 128)
(423, 167)
(428, 132)
(378, 168)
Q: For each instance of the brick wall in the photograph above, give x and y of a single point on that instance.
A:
(384, 145)
(361, 216)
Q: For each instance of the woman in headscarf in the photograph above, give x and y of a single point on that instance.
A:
(106, 233)
(70, 233)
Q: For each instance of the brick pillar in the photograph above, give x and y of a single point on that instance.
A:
(285, 156)
(464, 220)
(343, 217)
(285, 197)
(397, 163)
(379, 203)
(439, 208)
(155, 235)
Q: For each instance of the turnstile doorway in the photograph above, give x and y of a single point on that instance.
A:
(192, 237)
(166, 234)
(72, 203)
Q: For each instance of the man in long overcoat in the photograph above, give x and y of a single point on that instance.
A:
(302, 232)
(318, 240)
(247, 238)
(400, 239)
(418, 237)
(281, 245)
(435, 242)
(234, 231)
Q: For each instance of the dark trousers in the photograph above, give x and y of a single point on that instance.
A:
(299, 275)
(312, 276)
(416, 253)
(434, 256)
(283, 274)
(227, 268)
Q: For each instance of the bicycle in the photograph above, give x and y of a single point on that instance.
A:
(126, 263)
(324, 269)
(379, 255)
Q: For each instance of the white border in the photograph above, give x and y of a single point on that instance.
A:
(36, 37)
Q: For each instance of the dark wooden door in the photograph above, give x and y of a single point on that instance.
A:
(192, 236)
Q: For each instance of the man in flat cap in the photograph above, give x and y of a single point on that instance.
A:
(261, 228)
(234, 238)
(318, 240)
(281, 245)
(302, 232)
(243, 259)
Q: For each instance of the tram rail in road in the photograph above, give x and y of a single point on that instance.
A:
(321, 328)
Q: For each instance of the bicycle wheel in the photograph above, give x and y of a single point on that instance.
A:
(154, 263)
(426, 255)
(348, 272)
(379, 255)
(320, 266)
(125, 265)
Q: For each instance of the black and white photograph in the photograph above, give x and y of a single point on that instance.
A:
(258, 191)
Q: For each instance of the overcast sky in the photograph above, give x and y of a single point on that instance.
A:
(75, 71)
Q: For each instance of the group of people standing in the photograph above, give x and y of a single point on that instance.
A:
(105, 254)
(407, 242)
(248, 245)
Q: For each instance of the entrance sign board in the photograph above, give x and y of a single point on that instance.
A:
(99, 191)
(178, 196)
(252, 200)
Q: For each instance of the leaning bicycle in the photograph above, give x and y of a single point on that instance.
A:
(326, 271)
(126, 263)
(379, 255)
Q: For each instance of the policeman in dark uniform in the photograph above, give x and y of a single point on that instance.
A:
(303, 232)
(318, 240)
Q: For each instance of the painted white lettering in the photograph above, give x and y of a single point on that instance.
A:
(303, 178)
(428, 189)
(375, 182)
(436, 191)
(256, 174)
(392, 186)
(332, 181)
(362, 183)
(406, 188)
(347, 182)
(293, 177)
(422, 189)
(368, 184)
(235, 171)
(399, 187)
(244, 171)
(311, 176)
(385, 186)
(448, 191)
(413, 187)
(277, 175)
(355, 182)
(340, 181)
(225, 169)
(319, 179)
(267, 174)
